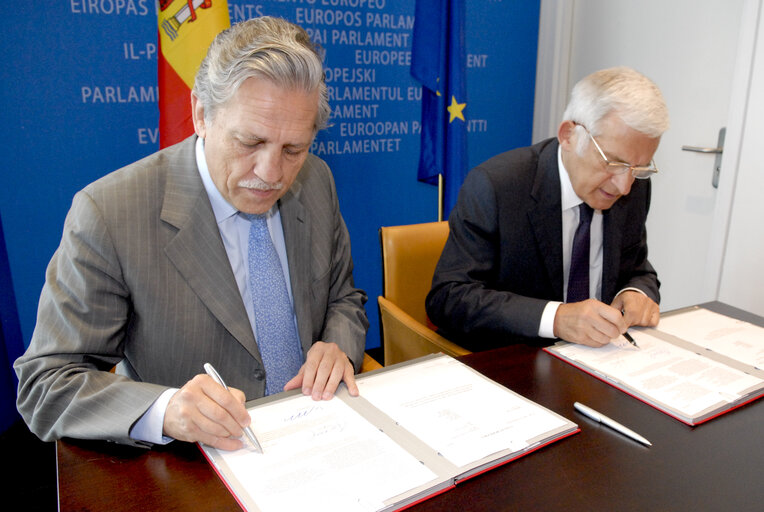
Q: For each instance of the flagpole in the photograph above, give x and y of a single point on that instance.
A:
(440, 197)
(438, 63)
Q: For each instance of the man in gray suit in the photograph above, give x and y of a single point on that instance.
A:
(155, 269)
(506, 269)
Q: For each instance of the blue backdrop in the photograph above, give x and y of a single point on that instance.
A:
(80, 100)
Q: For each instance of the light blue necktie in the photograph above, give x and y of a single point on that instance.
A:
(274, 319)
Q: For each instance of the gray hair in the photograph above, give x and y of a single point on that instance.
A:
(623, 91)
(266, 48)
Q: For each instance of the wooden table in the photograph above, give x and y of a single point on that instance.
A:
(718, 465)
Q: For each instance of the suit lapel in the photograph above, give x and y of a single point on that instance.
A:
(296, 224)
(546, 217)
(197, 250)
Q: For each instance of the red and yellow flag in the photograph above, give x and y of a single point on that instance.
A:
(186, 29)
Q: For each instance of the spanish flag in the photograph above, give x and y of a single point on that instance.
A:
(186, 29)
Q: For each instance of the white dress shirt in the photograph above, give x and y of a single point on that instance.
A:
(570, 215)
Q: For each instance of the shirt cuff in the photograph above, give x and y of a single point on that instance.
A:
(149, 427)
(630, 289)
(546, 326)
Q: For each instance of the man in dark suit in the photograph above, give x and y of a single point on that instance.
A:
(508, 268)
(160, 268)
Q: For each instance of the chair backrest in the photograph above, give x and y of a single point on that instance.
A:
(409, 256)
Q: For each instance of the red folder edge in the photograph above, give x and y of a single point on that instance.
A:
(221, 477)
(667, 413)
(424, 498)
(490, 468)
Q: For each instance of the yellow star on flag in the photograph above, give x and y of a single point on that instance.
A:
(455, 109)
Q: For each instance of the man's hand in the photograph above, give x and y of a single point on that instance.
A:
(589, 322)
(638, 309)
(325, 367)
(204, 411)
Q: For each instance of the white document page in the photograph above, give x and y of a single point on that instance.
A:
(738, 340)
(456, 411)
(322, 456)
(669, 374)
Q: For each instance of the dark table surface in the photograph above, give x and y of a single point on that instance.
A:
(718, 465)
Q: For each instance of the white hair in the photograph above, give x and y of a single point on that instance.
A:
(630, 95)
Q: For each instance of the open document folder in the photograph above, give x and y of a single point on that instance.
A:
(694, 366)
(417, 429)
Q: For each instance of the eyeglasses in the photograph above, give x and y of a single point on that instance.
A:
(638, 171)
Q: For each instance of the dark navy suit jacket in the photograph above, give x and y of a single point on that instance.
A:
(503, 258)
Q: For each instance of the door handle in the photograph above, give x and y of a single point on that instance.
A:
(718, 150)
(697, 149)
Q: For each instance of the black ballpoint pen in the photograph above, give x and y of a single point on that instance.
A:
(630, 339)
(628, 336)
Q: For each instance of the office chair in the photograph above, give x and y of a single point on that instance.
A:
(409, 256)
(369, 363)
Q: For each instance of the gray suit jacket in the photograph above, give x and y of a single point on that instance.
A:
(502, 261)
(142, 280)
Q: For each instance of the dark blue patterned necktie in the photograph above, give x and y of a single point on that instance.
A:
(276, 333)
(578, 278)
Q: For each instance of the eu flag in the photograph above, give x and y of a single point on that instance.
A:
(11, 345)
(437, 61)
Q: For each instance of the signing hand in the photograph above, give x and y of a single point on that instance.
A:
(204, 411)
(325, 367)
(638, 309)
(589, 322)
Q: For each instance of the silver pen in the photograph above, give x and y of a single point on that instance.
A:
(601, 418)
(247, 430)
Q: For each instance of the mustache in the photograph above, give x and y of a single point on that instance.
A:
(258, 184)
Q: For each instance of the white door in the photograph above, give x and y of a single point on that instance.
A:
(689, 48)
(742, 254)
